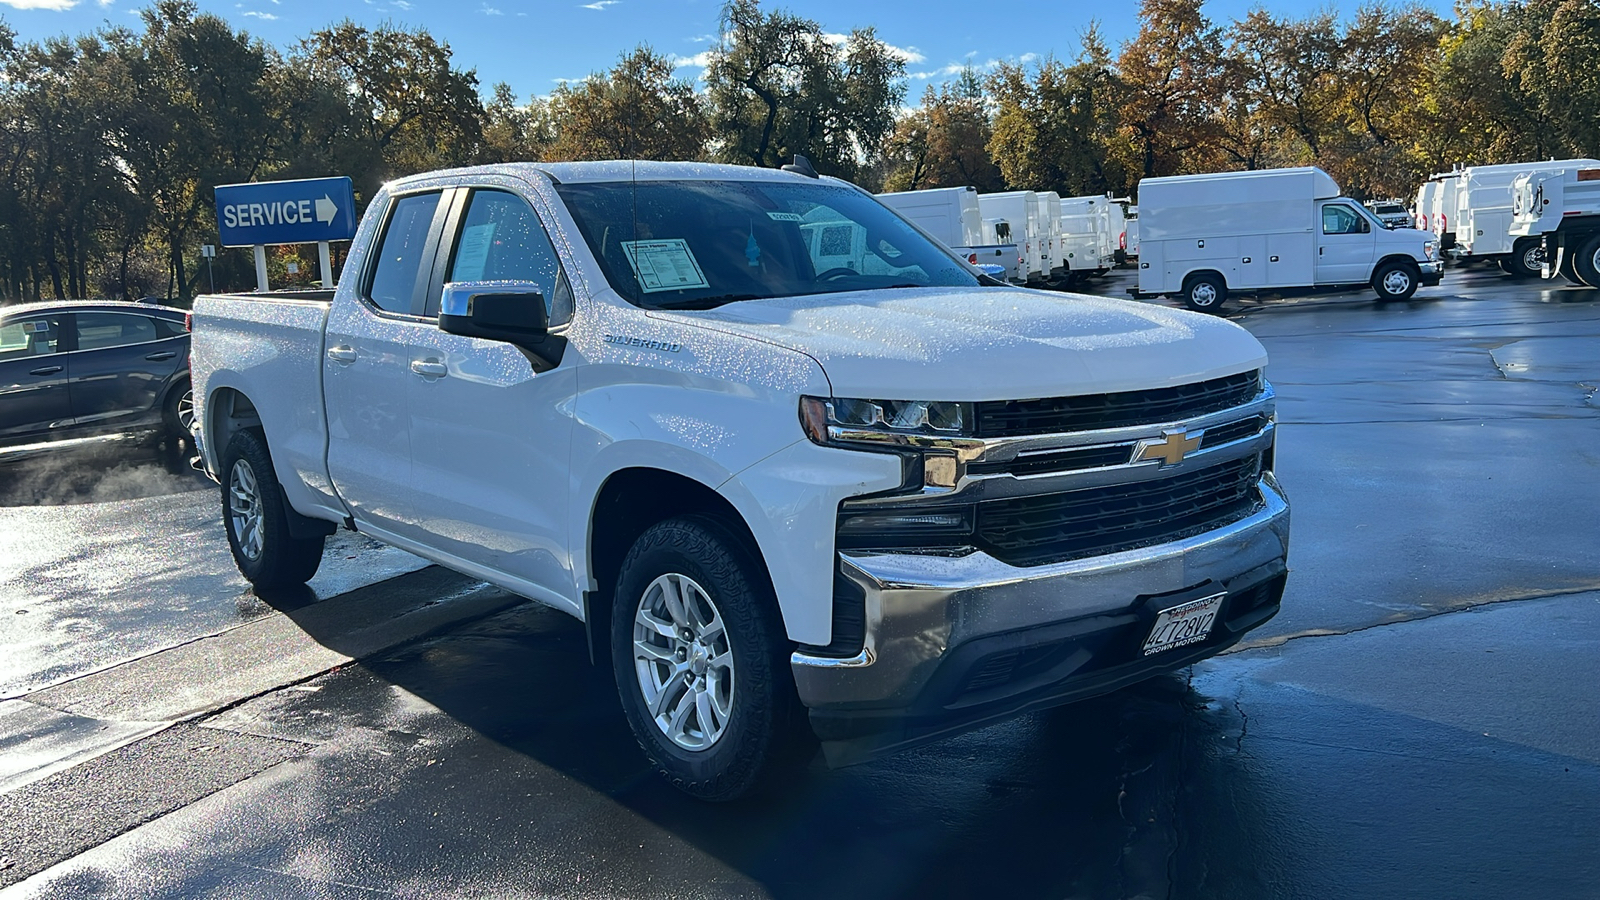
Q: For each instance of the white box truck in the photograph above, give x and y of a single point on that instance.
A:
(1561, 209)
(1116, 216)
(1278, 230)
(1483, 215)
(952, 217)
(1130, 233)
(1022, 210)
(1089, 246)
(1055, 243)
(1436, 205)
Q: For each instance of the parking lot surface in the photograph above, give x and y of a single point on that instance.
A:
(1419, 721)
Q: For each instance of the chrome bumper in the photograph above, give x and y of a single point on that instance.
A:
(920, 610)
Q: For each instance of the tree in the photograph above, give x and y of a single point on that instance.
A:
(1054, 125)
(1553, 58)
(944, 142)
(515, 132)
(1169, 74)
(1279, 97)
(778, 86)
(637, 110)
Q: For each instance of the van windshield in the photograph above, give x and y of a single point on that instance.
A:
(698, 244)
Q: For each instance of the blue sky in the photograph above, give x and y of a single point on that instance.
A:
(535, 45)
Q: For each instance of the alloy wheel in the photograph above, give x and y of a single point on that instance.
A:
(683, 661)
(244, 509)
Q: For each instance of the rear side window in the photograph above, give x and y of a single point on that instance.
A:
(97, 331)
(400, 253)
(34, 336)
(501, 240)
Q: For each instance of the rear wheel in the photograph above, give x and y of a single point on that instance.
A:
(1526, 259)
(701, 661)
(1568, 269)
(1586, 263)
(1395, 281)
(1205, 293)
(179, 411)
(267, 554)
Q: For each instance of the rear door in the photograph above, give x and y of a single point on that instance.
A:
(491, 434)
(34, 369)
(121, 366)
(1345, 245)
(366, 365)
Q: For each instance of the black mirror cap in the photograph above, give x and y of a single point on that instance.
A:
(498, 311)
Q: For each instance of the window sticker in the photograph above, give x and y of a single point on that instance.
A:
(665, 265)
(35, 327)
(473, 252)
(784, 217)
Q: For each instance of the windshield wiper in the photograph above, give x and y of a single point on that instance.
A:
(707, 302)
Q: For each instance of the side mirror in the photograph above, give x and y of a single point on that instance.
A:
(510, 311)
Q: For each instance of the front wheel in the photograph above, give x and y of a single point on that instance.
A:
(267, 554)
(1205, 293)
(1394, 281)
(701, 661)
(1526, 259)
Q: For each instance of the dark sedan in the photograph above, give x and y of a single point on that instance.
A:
(80, 368)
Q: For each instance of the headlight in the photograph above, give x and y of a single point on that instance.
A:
(929, 418)
(1430, 249)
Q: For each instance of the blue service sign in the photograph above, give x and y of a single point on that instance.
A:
(286, 212)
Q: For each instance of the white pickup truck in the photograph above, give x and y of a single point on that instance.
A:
(872, 504)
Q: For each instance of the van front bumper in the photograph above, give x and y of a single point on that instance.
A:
(1432, 273)
(956, 643)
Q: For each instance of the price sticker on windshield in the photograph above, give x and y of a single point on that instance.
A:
(665, 265)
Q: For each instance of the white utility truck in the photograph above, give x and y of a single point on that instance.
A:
(873, 503)
(1130, 233)
(1483, 215)
(1116, 230)
(1055, 245)
(1022, 210)
(1561, 210)
(1088, 245)
(952, 217)
(1436, 207)
(1277, 230)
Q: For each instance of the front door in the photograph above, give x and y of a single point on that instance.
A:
(34, 400)
(1345, 246)
(490, 431)
(365, 367)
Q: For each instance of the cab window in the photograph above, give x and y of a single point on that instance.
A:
(400, 253)
(501, 240)
(1340, 219)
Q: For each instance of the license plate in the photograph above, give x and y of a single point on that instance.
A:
(1184, 624)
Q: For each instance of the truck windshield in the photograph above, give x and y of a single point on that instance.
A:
(698, 244)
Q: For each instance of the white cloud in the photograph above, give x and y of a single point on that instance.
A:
(397, 4)
(56, 5)
(906, 55)
(264, 16)
(702, 39)
(600, 4)
(490, 11)
(106, 3)
(698, 61)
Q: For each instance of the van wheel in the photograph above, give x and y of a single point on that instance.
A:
(1395, 281)
(1527, 259)
(1205, 293)
(253, 515)
(1587, 262)
(701, 661)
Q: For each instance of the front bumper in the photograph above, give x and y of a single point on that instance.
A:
(1432, 273)
(953, 644)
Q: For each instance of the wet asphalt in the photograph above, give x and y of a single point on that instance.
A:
(1419, 721)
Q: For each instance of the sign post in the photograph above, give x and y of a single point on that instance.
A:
(209, 251)
(308, 211)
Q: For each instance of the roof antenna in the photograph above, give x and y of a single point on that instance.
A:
(801, 166)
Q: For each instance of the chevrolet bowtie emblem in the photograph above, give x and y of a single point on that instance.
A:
(1170, 448)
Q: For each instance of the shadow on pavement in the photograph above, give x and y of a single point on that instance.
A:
(95, 470)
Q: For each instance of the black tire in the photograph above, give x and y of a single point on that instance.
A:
(1526, 259)
(1569, 270)
(763, 732)
(178, 410)
(258, 529)
(1587, 262)
(1395, 281)
(1205, 293)
(1504, 263)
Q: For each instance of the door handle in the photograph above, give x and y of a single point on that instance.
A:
(164, 354)
(429, 368)
(342, 354)
(45, 370)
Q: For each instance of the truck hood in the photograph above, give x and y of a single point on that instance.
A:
(987, 343)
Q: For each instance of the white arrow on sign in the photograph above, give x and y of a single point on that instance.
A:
(326, 210)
